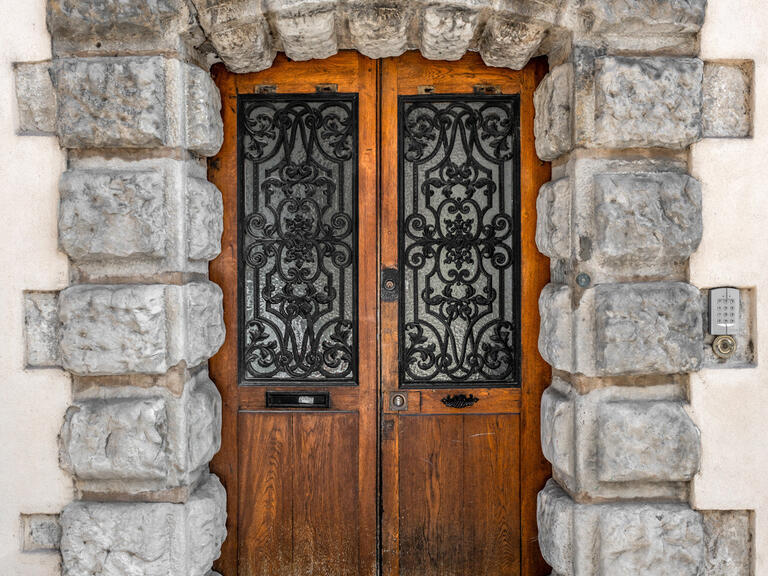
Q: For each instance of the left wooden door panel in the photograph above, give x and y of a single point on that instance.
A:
(301, 483)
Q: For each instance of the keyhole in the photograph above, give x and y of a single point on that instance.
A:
(389, 284)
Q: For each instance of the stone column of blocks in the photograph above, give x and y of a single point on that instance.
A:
(140, 223)
(620, 325)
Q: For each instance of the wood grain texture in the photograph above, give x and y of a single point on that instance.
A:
(351, 72)
(517, 473)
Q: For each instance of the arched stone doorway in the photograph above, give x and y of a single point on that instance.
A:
(137, 111)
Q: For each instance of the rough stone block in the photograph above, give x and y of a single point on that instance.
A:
(110, 25)
(647, 328)
(145, 329)
(553, 225)
(727, 103)
(307, 30)
(41, 329)
(642, 16)
(40, 532)
(615, 329)
(239, 33)
(510, 43)
(728, 538)
(204, 220)
(107, 539)
(135, 219)
(553, 101)
(618, 539)
(447, 32)
(112, 214)
(136, 102)
(653, 441)
(127, 440)
(205, 128)
(35, 98)
(629, 219)
(379, 30)
(647, 102)
(620, 441)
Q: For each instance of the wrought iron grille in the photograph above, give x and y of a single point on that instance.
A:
(459, 185)
(297, 176)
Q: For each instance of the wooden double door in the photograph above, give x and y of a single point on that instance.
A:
(380, 377)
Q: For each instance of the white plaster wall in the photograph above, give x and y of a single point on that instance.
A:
(731, 406)
(32, 403)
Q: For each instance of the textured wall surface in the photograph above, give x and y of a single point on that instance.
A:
(32, 402)
(731, 406)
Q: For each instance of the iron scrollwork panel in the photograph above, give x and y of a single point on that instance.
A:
(297, 173)
(459, 185)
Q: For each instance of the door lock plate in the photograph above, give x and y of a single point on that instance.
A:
(390, 285)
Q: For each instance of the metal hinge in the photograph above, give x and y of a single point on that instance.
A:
(326, 88)
(265, 89)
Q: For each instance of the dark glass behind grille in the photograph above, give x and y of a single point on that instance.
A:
(459, 183)
(297, 160)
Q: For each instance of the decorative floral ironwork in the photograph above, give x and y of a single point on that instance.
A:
(459, 184)
(298, 237)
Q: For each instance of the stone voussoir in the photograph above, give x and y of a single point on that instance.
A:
(139, 218)
(629, 443)
(622, 329)
(654, 539)
(136, 102)
(145, 538)
(123, 440)
(139, 329)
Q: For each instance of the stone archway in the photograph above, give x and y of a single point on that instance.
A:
(138, 113)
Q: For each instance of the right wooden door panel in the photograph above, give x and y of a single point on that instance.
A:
(459, 507)
(461, 376)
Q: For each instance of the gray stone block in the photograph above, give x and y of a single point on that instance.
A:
(652, 441)
(379, 29)
(553, 101)
(650, 17)
(35, 98)
(728, 538)
(647, 328)
(618, 539)
(727, 103)
(40, 532)
(621, 220)
(204, 220)
(108, 539)
(510, 43)
(239, 33)
(553, 225)
(447, 31)
(144, 329)
(136, 102)
(307, 29)
(116, 25)
(615, 329)
(41, 329)
(125, 440)
(112, 214)
(620, 442)
(136, 219)
(647, 102)
(204, 126)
